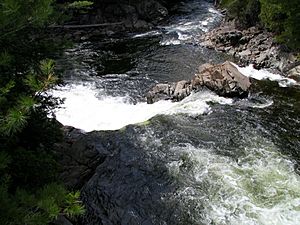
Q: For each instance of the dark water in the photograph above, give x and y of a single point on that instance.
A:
(207, 160)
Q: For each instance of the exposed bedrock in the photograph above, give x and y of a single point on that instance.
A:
(79, 155)
(253, 45)
(224, 79)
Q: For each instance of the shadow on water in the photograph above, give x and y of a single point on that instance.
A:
(129, 187)
(173, 169)
(229, 166)
(282, 119)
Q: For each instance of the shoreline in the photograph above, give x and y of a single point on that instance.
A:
(252, 46)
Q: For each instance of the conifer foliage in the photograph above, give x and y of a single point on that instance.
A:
(30, 193)
(281, 17)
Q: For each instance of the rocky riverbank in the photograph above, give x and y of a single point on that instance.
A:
(252, 46)
(115, 17)
(224, 79)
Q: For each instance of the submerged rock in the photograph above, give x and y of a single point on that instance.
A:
(224, 79)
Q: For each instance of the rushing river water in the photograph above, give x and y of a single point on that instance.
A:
(205, 160)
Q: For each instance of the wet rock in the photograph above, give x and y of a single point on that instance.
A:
(261, 59)
(224, 79)
(160, 92)
(182, 90)
(79, 155)
(294, 73)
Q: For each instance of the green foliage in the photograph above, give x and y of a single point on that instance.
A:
(29, 193)
(281, 17)
(246, 11)
(79, 7)
(80, 4)
(16, 14)
(40, 208)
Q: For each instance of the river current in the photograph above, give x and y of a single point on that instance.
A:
(205, 160)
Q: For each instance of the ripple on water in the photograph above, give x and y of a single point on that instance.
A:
(260, 188)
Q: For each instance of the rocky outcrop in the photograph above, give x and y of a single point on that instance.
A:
(224, 79)
(252, 45)
(79, 154)
(111, 17)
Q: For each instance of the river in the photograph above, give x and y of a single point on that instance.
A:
(205, 160)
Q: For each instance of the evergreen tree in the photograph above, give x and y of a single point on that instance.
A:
(281, 17)
(29, 189)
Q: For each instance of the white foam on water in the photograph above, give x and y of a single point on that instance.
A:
(147, 34)
(267, 104)
(183, 37)
(212, 10)
(263, 74)
(170, 42)
(188, 30)
(85, 109)
(261, 104)
(259, 188)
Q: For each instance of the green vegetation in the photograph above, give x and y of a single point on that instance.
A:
(30, 192)
(281, 17)
(246, 11)
(80, 4)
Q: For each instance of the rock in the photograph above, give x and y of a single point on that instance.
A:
(261, 59)
(162, 88)
(116, 17)
(79, 155)
(61, 220)
(224, 79)
(244, 40)
(160, 92)
(252, 45)
(180, 90)
(294, 73)
(245, 53)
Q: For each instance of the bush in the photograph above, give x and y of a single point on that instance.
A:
(29, 189)
(245, 11)
(281, 17)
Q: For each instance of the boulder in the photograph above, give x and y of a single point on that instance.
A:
(160, 92)
(224, 79)
(294, 73)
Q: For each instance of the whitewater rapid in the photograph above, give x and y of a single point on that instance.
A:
(85, 108)
(89, 108)
(208, 160)
(264, 74)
